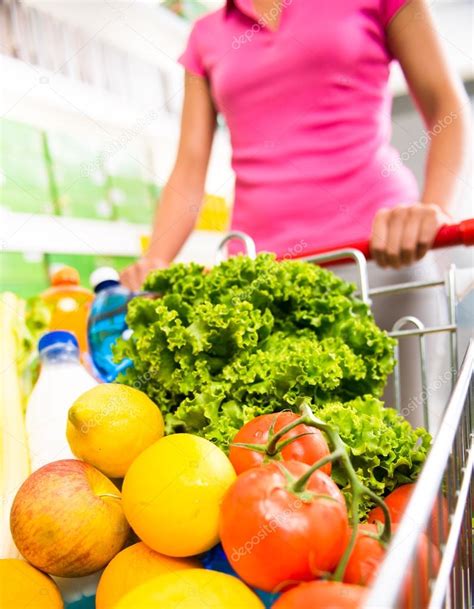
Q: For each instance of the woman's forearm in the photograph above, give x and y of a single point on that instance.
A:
(176, 214)
(447, 129)
(413, 40)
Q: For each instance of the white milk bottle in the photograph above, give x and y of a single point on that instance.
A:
(61, 381)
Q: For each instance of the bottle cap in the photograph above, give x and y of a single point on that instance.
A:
(103, 273)
(64, 275)
(57, 337)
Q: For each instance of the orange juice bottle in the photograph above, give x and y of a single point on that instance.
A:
(69, 304)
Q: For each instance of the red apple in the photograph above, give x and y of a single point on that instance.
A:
(67, 519)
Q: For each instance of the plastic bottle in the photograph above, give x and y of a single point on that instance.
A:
(107, 321)
(69, 304)
(61, 381)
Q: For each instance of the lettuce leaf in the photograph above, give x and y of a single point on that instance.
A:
(384, 448)
(247, 337)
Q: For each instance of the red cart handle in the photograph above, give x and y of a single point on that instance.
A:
(448, 235)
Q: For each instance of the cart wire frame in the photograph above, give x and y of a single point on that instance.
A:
(441, 505)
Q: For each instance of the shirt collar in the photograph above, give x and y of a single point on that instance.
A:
(244, 6)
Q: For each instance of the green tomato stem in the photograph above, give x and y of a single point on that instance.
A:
(358, 489)
(387, 526)
(341, 567)
(281, 445)
(300, 483)
(271, 448)
(256, 447)
(274, 446)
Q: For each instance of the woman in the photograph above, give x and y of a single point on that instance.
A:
(302, 85)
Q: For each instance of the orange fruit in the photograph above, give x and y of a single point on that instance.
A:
(24, 587)
(134, 566)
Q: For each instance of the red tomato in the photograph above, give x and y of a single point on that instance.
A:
(397, 502)
(307, 449)
(366, 556)
(416, 592)
(322, 595)
(272, 536)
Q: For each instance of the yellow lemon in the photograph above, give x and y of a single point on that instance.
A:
(191, 589)
(111, 424)
(24, 587)
(173, 491)
(134, 566)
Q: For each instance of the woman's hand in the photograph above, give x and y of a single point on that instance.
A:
(134, 275)
(404, 234)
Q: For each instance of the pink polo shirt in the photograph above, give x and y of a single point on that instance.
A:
(308, 110)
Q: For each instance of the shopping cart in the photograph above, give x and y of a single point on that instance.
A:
(441, 505)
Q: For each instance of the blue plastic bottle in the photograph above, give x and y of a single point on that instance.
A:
(107, 321)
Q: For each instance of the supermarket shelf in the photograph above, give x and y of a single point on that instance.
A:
(50, 100)
(37, 233)
(142, 28)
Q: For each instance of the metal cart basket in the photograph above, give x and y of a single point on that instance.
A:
(441, 505)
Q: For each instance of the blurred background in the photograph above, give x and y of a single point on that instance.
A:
(90, 98)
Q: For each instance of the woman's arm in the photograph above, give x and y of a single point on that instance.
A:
(405, 233)
(182, 196)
